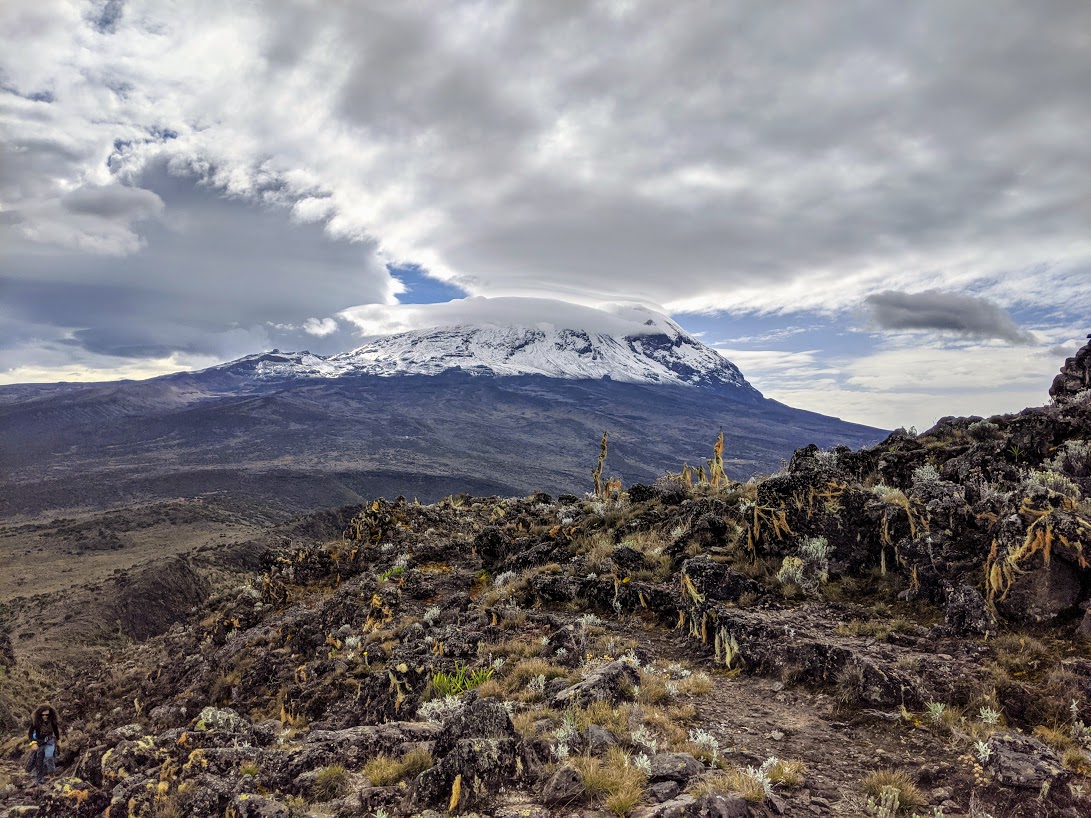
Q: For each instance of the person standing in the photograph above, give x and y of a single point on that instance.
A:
(44, 733)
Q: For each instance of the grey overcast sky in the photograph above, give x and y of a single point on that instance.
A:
(878, 210)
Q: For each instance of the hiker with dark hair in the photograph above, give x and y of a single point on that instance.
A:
(44, 733)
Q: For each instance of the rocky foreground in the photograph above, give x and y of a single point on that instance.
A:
(895, 631)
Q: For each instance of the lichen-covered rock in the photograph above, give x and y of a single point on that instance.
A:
(720, 805)
(351, 747)
(598, 739)
(1023, 762)
(660, 791)
(965, 611)
(248, 805)
(679, 807)
(220, 718)
(612, 682)
(470, 775)
(128, 757)
(481, 718)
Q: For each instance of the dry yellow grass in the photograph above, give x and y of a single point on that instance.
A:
(1076, 760)
(519, 675)
(653, 688)
(664, 724)
(788, 772)
(733, 779)
(524, 722)
(384, 770)
(614, 719)
(515, 648)
(611, 780)
(1059, 740)
(909, 794)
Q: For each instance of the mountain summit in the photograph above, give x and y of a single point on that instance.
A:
(653, 351)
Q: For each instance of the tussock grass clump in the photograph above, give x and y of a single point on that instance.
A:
(332, 782)
(698, 684)
(899, 781)
(1060, 740)
(664, 723)
(733, 779)
(614, 719)
(515, 648)
(788, 772)
(524, 722)
(653, 688)
(492, 689)
(383, 770)
(612, 780)
(1077, 761)
(523, 673)
(1022, 655)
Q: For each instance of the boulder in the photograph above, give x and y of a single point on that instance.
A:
(1043, 594)
(716, 581)
(612, 682)
(1020, 761)
(469, 776)
(481, 718)
(247, 805)
(563, 787)
(721, 805)
(661, 791)
(598, 739)
(679, 767)
(680, 807)
(965, 611)
(1074, 377)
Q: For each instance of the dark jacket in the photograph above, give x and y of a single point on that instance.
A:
(42, 732)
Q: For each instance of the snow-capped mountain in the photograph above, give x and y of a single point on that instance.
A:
(656, 351)
(486, 398)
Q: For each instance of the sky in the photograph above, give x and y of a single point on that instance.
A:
(878, 211)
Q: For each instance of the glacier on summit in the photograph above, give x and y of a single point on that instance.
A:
(632, 344)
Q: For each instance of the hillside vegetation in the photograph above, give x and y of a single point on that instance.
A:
(900, 630)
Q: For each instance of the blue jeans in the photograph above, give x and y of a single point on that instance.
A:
(46, 761)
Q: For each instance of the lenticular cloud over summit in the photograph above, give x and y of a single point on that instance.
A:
(620, 319)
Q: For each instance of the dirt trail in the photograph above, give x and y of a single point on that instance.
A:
(755, 717)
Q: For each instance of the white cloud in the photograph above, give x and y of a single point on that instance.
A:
(609, 319)
(907, 383)
(728, 157)
(321, 328)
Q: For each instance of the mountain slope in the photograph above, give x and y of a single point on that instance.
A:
(487, 409)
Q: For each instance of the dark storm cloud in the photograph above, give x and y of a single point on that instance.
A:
(946, 312)
(218, 277)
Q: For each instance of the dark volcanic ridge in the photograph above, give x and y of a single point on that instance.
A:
(897, 630)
